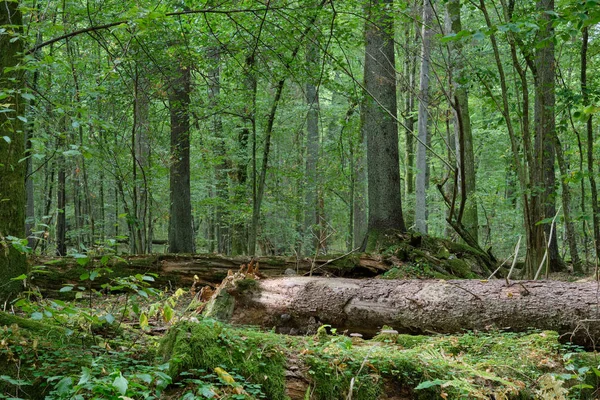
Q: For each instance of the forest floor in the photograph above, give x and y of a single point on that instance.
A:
(128, 340)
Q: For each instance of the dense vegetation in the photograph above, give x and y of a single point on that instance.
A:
(289, 127)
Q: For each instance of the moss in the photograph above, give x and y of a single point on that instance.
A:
(24, 343)
(221, 306)
(258, 356)
(459, 268)
(347, 262)
(51, 332)
(245, 285)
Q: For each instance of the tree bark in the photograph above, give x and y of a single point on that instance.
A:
(421, 181)
(12, 148)
(542, 170)
(141, 242)
(571, 237)
(421, 306)
(181, 235)
(311, 220)
(585, 94)
(379, 124)
(465, 158)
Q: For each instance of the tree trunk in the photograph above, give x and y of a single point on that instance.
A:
(311, 221)
(566, 205)
(259, 185)
(12, 148)
(239, 234)
(421, 306)
(359, 190)
(380, 124)
(222, 195)
(181, 235)
(465, 158)
(410, 66)
(141, 163)
(534, 234)
(421, 183)
(545, 128)
(585, 93)
(61, 220)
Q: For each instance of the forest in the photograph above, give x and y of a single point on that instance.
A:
(310, 199)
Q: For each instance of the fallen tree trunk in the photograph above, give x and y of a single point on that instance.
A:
(180, 270)
(299, 304)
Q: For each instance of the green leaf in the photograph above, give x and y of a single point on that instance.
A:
(428, 384)
(63, 387)
(66, 289)
(121, 384)
(582, 386)
(83, 261)
(93, 275)
(36, 316)
(146, 378)
(143, 321)
(167, 313)
(22, 118)
(109, 318)
(6, 139)
(21, 277)
(86, 375)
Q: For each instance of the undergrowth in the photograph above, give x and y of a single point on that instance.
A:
(104, 345)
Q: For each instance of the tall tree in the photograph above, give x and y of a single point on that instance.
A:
(141, 242)
(543, 175)
(181, 235)
(311, 221)
(379, 124)
(12, 147)
(585, 94)
(422, 170)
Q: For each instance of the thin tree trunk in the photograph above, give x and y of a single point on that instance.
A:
(421, 183)
(214, 90)
(311, 221)
(260, 184)
(585, 93)
(534, 234)
(410, 66)
(239, 236)
(465, 158)
(566, 205)
(61, 222)
(141, 162)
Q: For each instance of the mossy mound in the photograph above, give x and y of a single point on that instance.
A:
(473, 365)
(413, 255)
(208, 344)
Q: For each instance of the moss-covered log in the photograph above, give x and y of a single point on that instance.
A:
(407, 256)
(179, 270)
(390, 366)
(299, 304)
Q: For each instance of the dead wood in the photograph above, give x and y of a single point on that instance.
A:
(300, 304)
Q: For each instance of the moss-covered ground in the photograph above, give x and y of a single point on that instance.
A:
(119, 347)
(496, 365)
